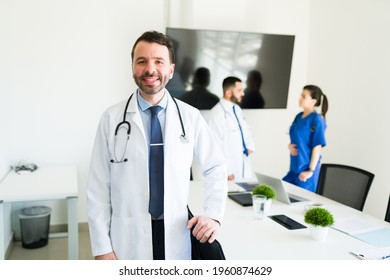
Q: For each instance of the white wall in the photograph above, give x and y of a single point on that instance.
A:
(64, 62)
(350, 59)
(5, 125)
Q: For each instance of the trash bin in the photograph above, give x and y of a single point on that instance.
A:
(34, 226)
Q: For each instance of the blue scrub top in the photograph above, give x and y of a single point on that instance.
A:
(306, 133)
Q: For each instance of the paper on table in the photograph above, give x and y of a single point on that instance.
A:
(354, 225)
(378, 238)
(373, 254)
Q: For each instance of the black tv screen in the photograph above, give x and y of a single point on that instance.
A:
(232, 53)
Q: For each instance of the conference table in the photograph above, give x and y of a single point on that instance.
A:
(45, 183)
(245, 238)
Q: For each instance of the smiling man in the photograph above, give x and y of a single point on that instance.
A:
(138, 186)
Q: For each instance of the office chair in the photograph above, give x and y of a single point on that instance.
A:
(387, 217)
(345, 184)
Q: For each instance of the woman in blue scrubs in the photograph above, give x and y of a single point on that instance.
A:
(307, 136)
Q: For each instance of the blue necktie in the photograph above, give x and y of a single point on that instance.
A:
(156, 166)
(242, 135)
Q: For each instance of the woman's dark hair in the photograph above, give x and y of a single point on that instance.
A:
(159, 38)
(316, 93)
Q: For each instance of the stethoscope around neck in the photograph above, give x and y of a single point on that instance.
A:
(125, 123)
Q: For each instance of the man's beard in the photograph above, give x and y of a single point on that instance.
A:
(234, 99)
(150, 90)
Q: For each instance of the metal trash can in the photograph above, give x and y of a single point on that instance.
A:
(34, 226)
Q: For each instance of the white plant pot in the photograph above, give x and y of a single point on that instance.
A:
(319, 233)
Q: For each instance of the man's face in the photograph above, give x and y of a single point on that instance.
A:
(237, 93)
(152, 68)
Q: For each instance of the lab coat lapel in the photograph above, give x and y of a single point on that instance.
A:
(172, 131)
(227, 107)
(169, 120)
(134, 115)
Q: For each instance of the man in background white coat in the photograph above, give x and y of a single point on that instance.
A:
(230, 127)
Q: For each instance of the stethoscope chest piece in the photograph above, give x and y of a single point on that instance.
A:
(184, 139)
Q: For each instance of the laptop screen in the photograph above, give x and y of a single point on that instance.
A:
(278, 186)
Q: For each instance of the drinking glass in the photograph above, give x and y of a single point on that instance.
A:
(258, 201)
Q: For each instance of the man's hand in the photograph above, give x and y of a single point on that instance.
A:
(109, 256)
(231, 177)
(206, 229)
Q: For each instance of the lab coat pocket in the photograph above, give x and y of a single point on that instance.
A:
(123, 237)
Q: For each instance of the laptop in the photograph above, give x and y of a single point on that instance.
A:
(278, 186)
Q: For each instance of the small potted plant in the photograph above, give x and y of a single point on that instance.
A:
(268, 192)
(319, 219)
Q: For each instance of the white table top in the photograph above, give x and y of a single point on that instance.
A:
(45, 183)
(244, 238)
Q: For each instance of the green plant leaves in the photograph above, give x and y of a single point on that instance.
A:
(319, 217)
(266, 190)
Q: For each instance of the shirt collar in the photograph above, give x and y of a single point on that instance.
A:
(144, 105)
(228, 104)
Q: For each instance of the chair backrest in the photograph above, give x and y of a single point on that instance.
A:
(345, 184)
(387, 217)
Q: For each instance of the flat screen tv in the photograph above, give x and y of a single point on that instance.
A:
(232, 53)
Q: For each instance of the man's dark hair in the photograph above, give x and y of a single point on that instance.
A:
(159, 38)
(229, 82)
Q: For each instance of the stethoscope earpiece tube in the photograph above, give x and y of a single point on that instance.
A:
(183, 136)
